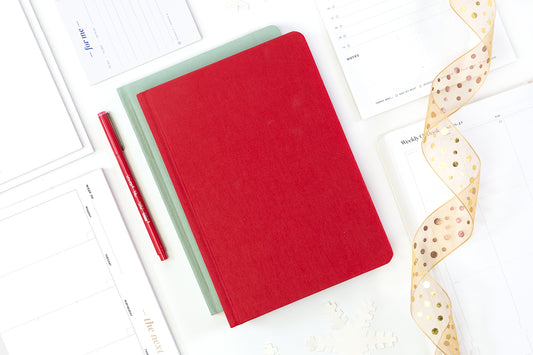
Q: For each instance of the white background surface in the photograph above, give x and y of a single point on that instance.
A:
(195, 330)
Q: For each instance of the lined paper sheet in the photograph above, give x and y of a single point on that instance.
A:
(488, 278)
(112, 36)
(39, 127)
(71, 280)
(390, 50)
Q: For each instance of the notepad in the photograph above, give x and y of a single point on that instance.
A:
(112, 36)
(390, 50)
(40, 129)
(128, 95)
(266, 177)
(488, 277)
(71, 281)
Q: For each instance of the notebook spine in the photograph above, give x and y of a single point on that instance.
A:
(151, 116)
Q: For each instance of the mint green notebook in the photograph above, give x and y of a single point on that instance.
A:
(128, 96)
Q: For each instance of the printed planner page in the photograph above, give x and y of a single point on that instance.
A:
(488, 278)
(390, 50)
(112, 36)
(71, 280)
(40, 129)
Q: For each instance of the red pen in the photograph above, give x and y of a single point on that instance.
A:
(137, 197)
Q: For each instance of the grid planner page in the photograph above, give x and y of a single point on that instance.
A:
(37, 131)
(390, 50)
(488, 278)
(71, 280)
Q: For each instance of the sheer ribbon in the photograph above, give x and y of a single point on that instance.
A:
(456, 163)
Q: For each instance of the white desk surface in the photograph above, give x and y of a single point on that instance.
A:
(195, 330)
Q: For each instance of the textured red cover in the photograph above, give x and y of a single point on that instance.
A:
(266, 177)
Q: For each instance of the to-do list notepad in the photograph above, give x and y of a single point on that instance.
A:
(112, 36)
(390, 50)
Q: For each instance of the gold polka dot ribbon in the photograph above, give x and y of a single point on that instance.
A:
(456, 163)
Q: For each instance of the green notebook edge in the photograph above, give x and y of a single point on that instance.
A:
(128, 96)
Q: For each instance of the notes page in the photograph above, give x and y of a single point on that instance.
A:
(390, 50)
(112, 36)
(39, 127)
(71, 280)
(488, 278)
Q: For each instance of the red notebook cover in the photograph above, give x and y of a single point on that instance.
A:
(266, 177)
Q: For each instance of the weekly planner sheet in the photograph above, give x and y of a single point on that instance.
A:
(488, 278)
(390, 50)
(71, 280)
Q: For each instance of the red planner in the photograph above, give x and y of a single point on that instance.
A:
(267, 180)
